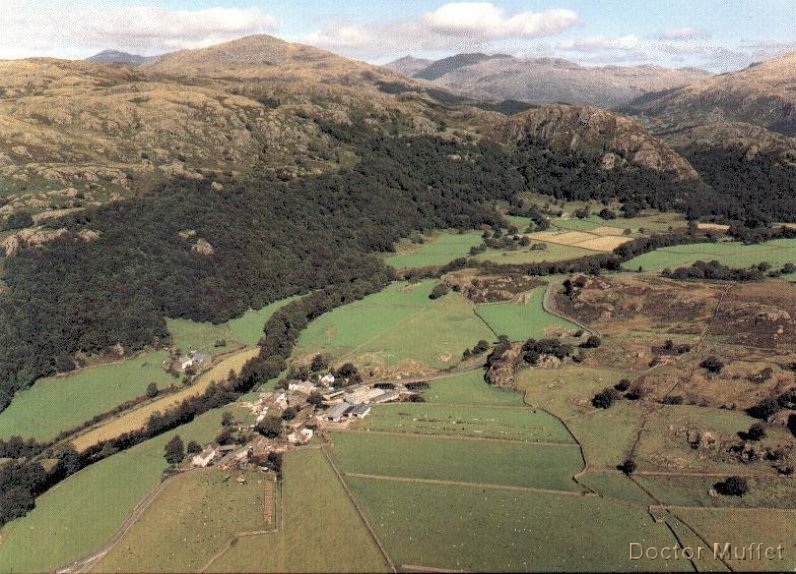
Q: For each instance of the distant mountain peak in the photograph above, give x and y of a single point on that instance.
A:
(118, 57)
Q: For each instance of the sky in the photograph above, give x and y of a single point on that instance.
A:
(717, 35)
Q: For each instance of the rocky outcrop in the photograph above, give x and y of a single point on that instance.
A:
(614, 138)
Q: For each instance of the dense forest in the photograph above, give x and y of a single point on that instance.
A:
(269, 240)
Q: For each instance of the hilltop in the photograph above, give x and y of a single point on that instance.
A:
(546, 80)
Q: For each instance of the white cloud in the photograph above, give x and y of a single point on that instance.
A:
(683, 34)
(79, 31)
(457, 26)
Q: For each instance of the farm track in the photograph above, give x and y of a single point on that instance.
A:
(459, 437)
(485, 485)
(547, 307)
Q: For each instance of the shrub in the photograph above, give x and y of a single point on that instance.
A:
(712, 364)
(732, 486)
(438, 291)
(605, 398)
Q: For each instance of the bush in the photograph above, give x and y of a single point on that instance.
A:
(438, 291)
(622, 385)
(712, 364)
(592, 342)
(732, 486)
(628, 466)
(605, 398)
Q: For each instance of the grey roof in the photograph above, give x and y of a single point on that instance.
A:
(338, 411)
(359, 410)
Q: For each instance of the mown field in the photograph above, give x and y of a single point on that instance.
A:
(80, 514)
(523, 320)
(469, 388)
(475, 529)
(518, 423)
(777, 253)
(59, 403)
(320, 531)
(399, 324)
(459, 460)
(137, 418)
(189, 522)
(437, 250)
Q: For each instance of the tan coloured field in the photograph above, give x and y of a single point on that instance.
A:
(562, 237)
(713, 226)
(607, 243)
(605, 230)
(137, 418)
(602, 239)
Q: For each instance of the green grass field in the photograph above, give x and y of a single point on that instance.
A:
(321, 530)
(469, 388)
(777, 253)
(475, 529)
(398, 324)
(521, 321)
(56, 404)
(607, 435)
(190, 521)
(437, 250)
(519, 424)
(565, 393)
(772, 491)
(248, 328)
(187, 334)
(769, 526)
(460, 460)
(77, 516)
(616, 485)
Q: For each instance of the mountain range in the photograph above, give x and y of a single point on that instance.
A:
(80, 133)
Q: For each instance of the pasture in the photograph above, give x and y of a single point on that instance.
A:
(320, 530)
(664, 439)
(436, 250)
(191, 519)
(78, 515)
(137, 418)
(507, 423)
(777, 253)
(248, 328)
(459, 460)
(764, 491)
(187, 335)
(607, 435)
(469, 388)
(395, 327)
(770, 526)
(521, 320)
(488, 530)
(565, 393)
(56, 404)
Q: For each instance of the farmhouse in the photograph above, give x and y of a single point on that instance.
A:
(195, 361)
(386, 397)
(336, 413)
(332, 394)
(327, 380)
(205, 457)
(359, 411)
(305, 387)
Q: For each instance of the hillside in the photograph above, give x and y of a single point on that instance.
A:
(615, 139)
(763, 94)
(117, 57)
(548, 80)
